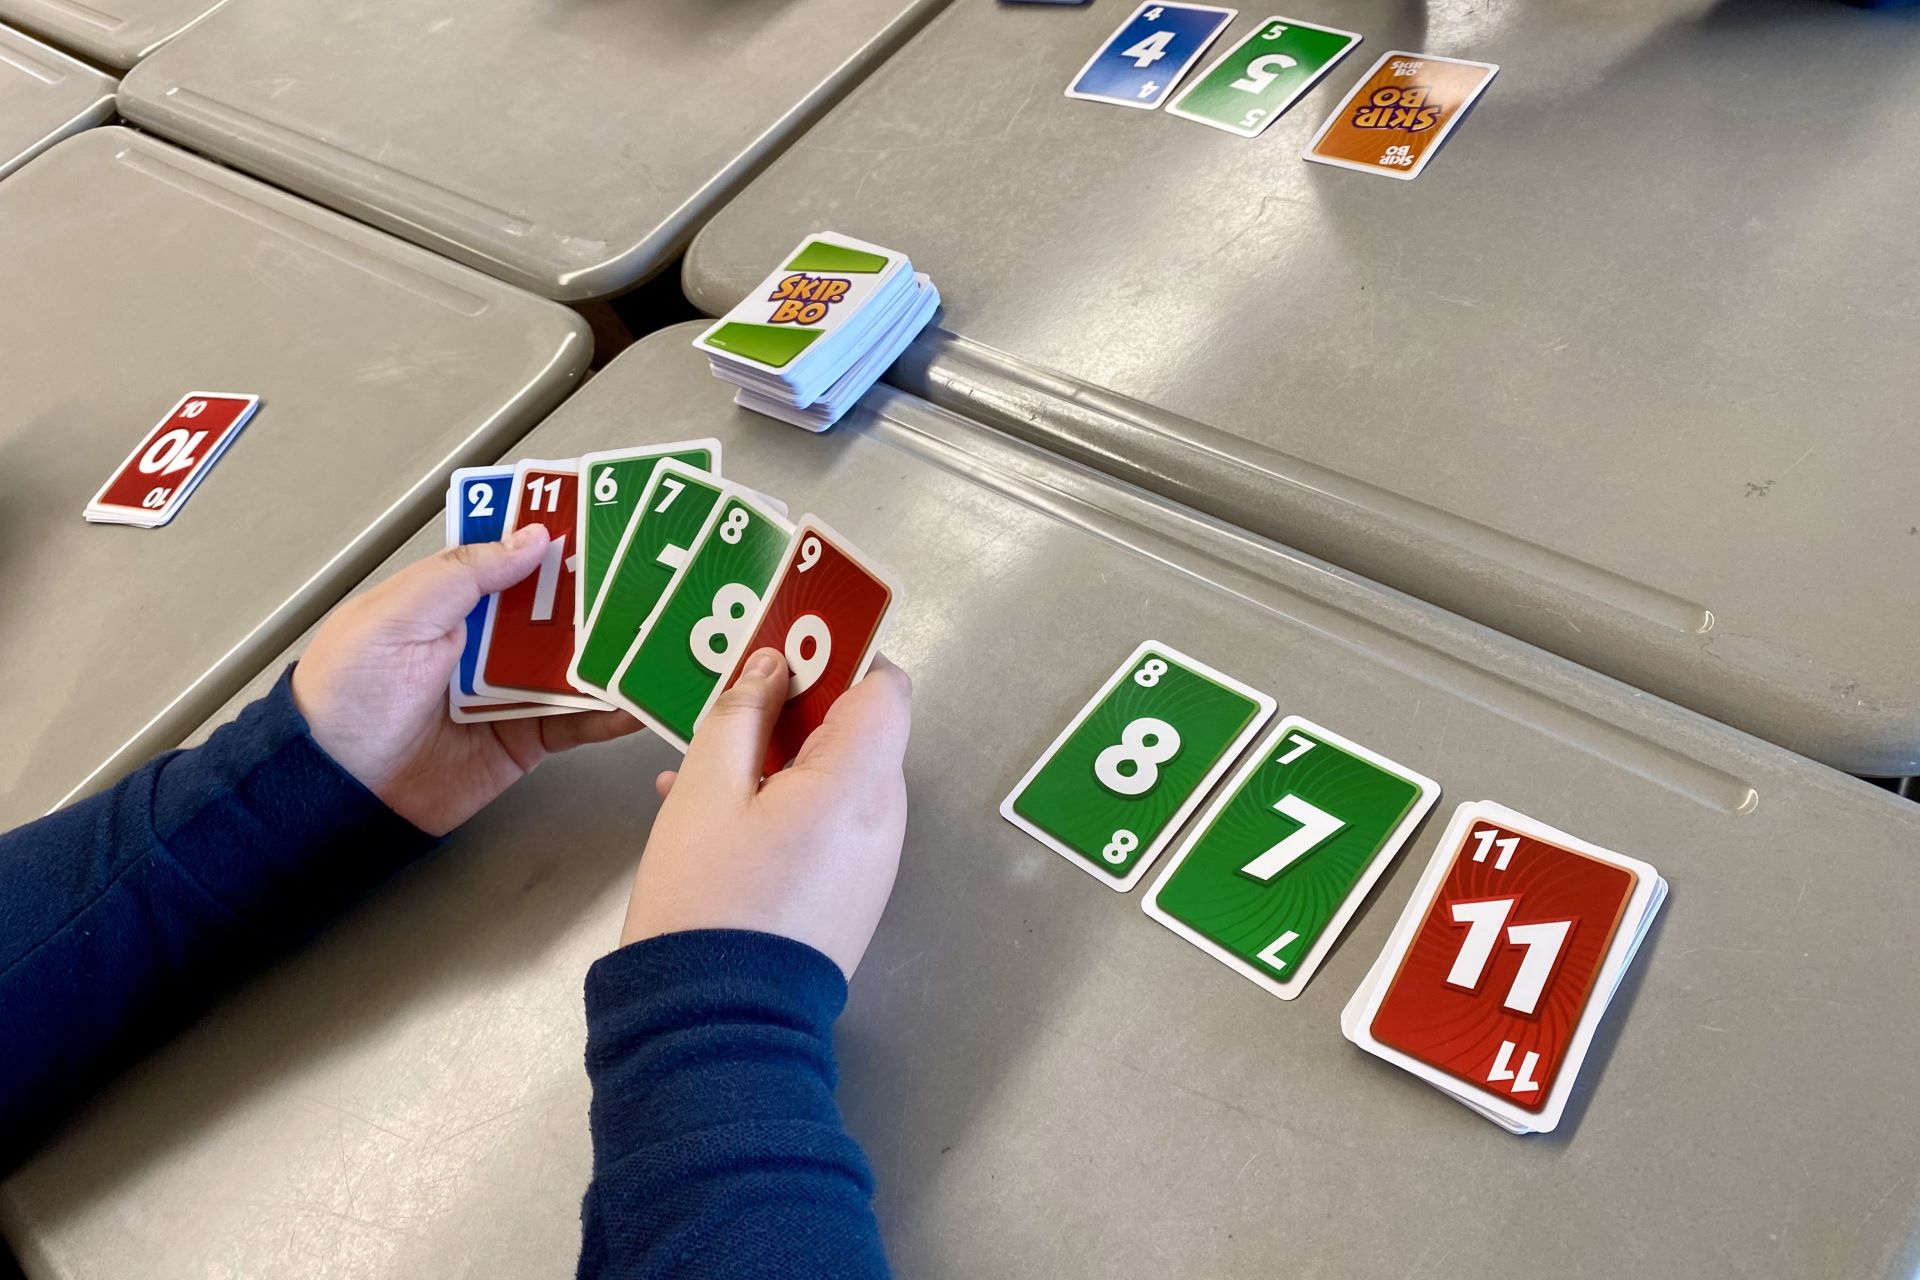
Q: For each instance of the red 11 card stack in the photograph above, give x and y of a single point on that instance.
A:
(1503, 963)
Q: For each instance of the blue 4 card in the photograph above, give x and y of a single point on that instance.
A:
(477, 512)
(1142, 61)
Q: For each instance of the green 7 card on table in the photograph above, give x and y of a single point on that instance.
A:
(687, 642)
(611, 483)
(1118, 782)
(667, 518)
(1284, 858)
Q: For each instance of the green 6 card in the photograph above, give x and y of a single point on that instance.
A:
(687, 643)
(1285, 857)
(1115, 786)
(1251, 84)
(610, 486)
(667, 519)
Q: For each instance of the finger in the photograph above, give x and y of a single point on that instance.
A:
(564, 733)
(865, 731)
(731, 745)
(663, 784)
(435, 595)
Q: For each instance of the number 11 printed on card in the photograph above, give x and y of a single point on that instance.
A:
(526, 644)
(1118, 782)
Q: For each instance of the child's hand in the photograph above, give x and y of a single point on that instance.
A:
(373, 687)
(809, 855)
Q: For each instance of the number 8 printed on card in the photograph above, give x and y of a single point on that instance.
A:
(1117, 783)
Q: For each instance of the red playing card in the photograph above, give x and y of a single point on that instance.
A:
(529, 638)
(825, 611)
(165, 466)
(1492, 986)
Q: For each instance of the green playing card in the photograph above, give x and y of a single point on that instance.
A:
(1284, 858)
(668, 517)
(610, 488)
(709, 608)
(1114, 787)
(1251, 84)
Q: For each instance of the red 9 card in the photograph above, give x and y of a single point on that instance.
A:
(1499, 969)
(526, 645)
(153, 483)
(825, 609)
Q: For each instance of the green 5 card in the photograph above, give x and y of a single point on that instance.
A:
(686, 644)
(667, 518)
(610, 486)
(1284, 858)
(1118, 782)
(1252, 83)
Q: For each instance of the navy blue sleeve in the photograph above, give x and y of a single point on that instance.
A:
(718, 1149)
(125, 914)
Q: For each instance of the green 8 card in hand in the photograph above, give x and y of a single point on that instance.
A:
(710, 607)
(1250, 85)
(1118, 782)
(1284, 858)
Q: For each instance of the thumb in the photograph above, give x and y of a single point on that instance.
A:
(434, 595)
(730, 747)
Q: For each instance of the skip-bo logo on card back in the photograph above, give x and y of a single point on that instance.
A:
(1399, 107)
(806, 299)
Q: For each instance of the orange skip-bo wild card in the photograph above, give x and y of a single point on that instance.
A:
(1397, 117)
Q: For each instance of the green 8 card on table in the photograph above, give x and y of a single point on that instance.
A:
(1252, 84)
(1284, 858)
(687, 643)
(611, 483)
(1120, 779)
(667, 519)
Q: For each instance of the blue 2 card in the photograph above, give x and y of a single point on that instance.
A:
(1142, 61)
(477, 512)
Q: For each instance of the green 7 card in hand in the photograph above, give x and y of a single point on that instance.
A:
(611, 483)
(1284, 858)
(667, 519)
(1252, 84)
(687, 642)
(1118, 782)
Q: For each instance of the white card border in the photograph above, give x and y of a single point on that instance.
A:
(1208, 781)
(1173, 81)
(1307, 965)
(1354, 39)
(1446, 130)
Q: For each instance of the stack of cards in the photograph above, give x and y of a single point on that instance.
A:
(164, 469)
(820, 330)
(1503, 964)
(660, 577)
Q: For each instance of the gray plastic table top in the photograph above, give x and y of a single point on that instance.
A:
(1049, 1084)
(571, 149)
(114, 33)
(44, 97)
(135, 273)
(1627, 372)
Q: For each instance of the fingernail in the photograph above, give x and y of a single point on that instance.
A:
(763, 662)
(520, 537)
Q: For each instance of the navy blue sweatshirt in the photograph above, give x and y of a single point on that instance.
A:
(718, 1149)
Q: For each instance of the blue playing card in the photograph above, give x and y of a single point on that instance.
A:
(1142, 61)
(479, 514)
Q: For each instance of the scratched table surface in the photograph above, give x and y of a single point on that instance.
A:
(1050, 1084)
(135, 273)
(1626, 373)
(571, 149)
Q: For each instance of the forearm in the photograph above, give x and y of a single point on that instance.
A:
(718, 1147)
(123, 915)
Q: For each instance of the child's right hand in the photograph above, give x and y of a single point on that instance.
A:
(811, 853)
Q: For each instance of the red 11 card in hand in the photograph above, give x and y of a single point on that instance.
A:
(527, 644)
(825, 609)
(153, 483)
(1504, 961)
